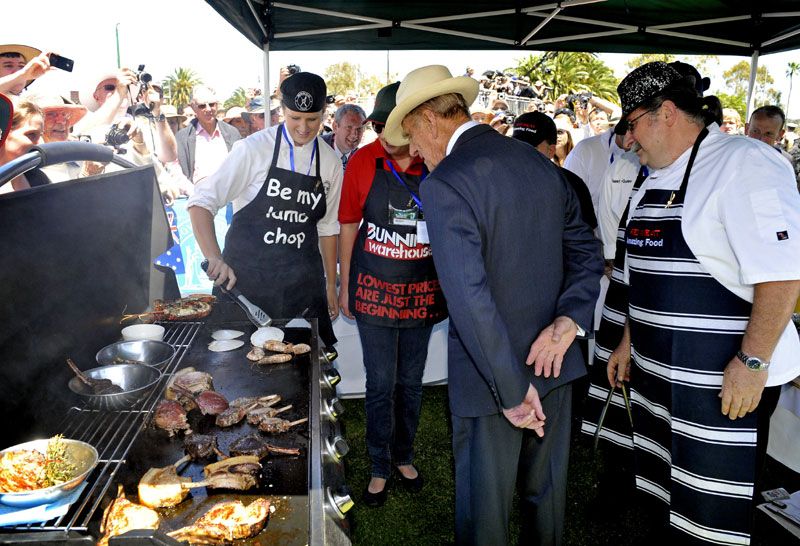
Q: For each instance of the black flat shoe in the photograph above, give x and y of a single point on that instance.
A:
(414, 485)
(374, 500)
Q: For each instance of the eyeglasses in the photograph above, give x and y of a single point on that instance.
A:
(632, 122)
(109, 87)
(378, 127)
(207, 105)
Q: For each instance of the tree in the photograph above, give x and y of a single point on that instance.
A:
(178, 86)
(737, 79)
(791, 68)
(238, 98)
(343, 78)
(639, 60)
(737, 102)
(570, 72)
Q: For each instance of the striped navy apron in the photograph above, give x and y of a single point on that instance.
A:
(616, 426)
(685, 328)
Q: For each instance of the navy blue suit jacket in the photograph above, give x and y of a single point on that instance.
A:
(512, 253)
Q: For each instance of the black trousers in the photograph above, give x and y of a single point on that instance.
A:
(492, 456)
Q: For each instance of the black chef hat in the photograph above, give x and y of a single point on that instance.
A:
(304, 92)
(534, 127)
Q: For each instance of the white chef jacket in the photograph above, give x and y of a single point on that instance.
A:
(244, 171)
(741, 219)
(615, 189)
(589, 160)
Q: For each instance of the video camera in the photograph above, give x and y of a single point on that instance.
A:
(140, 107)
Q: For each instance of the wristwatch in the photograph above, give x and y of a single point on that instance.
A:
(752, 362)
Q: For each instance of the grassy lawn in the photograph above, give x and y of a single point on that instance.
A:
(427, 517)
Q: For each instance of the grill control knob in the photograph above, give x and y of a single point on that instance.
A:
(339, 501)
(332, 409)
(330, 378)
(337, 448)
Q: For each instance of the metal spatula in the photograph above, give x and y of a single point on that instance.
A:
(254, 313)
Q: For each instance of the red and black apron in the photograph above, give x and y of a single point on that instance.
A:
(273, 247)
(393, 280)
(685, 328)
(616, 426)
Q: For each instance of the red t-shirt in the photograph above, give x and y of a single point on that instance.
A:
(358, 180)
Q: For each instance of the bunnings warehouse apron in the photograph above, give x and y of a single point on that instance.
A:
(616, 427)
(273, 247)
(393, 281)
(685, 328)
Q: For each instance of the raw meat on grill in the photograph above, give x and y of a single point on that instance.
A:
(258, 415)
(123, 515)
(226, 522)
(254, 445)
(163, 487)
(276, 425)
(171, 416)
(209, 402)
(239, 473)
(202, 446)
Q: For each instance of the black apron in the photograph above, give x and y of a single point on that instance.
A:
(616, 425)
(685, 328)
(273, 247)
(393, 280)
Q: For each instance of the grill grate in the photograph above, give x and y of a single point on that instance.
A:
(113, 433)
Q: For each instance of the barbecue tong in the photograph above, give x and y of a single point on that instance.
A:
(254, 313)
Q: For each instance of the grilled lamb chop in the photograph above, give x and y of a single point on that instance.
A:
(276, 425)
(255, 446)
(209, 402)
(232, 415)
(226, 522)
(162, 487)
(123, 515)
(232, 473)
(98, 386)
(257, 415)
(202, 446)
(171, 416)
(268, 400)
(191, 380)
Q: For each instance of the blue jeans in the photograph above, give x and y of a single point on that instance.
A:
(394, 359)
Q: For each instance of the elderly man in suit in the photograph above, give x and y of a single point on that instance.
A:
(205, 142)
(520, 271)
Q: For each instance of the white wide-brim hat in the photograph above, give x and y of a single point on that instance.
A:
(86, 94)
(421, 85)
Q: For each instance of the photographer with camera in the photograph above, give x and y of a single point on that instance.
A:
(20, 65)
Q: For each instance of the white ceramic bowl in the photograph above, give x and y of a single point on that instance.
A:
(143, 331)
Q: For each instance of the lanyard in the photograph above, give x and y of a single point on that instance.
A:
(610, 159)
(400, 179)
(291, 151)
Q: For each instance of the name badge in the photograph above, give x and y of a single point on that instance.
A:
(422, 233)
(403, 217)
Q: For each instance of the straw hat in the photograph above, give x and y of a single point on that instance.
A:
(55, 103)
(421, 85)
(171, 111)
(26, 51)
(233, 113)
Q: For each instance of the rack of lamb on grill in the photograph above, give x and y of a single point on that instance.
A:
(226, 522)
(190, 380)
(241, 406)
(123, 515)
(240, 473)
(254, 445)
(208, 402)
(171, 416)
(163, 487)
(257, 416)
(276, 425)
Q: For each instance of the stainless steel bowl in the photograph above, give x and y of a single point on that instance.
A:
(136, 381)
(81, 454)
(143, 351)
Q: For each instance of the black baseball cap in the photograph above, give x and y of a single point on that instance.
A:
(304, 92)
(534, 127)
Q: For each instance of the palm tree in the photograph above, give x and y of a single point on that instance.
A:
(791, 68)
(178, 86)
(239, 98)
(569, 72)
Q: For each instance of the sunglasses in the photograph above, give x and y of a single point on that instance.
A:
(109, 87)
(378, 127)
(207, 105)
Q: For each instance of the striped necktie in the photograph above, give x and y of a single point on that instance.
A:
(344, 161)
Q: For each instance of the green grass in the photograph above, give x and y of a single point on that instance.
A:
(427, 518)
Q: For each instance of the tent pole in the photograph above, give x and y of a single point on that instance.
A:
(752, 84)
(267, 87)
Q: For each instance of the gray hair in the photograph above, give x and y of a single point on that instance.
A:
(345, 109)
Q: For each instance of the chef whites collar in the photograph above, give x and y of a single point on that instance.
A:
(304, 92)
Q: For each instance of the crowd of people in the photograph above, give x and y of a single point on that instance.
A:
(442, 203)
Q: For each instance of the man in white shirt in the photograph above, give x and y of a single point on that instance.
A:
(713, 266)
(590, 157)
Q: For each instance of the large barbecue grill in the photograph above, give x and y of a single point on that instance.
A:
(53, 296)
